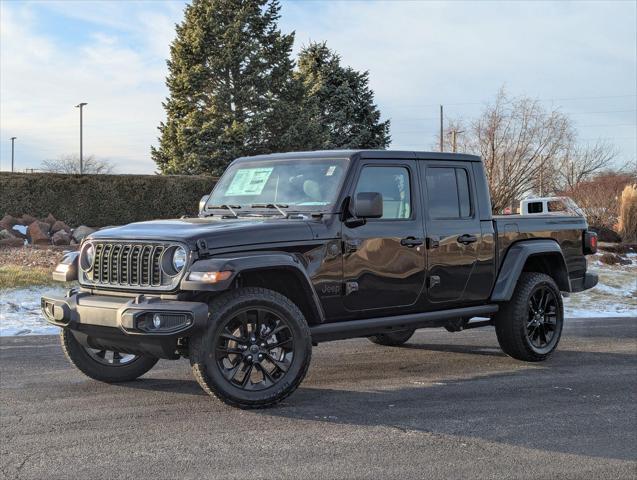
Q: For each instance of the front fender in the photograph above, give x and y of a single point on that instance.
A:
(515, 259)
(250, 262)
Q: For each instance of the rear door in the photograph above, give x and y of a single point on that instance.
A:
(384, 260)
(453, 229)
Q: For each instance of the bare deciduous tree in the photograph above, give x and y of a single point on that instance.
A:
(527, 148)
(71, 164)
(580, 163)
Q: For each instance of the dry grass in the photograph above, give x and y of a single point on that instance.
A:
(628, 214)
(27, 266)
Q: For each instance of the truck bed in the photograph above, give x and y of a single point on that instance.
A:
(567, 230)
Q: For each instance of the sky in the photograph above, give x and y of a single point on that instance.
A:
(578, 56)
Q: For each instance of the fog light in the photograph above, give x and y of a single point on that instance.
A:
(160, 322)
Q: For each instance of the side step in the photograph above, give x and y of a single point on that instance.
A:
(372, 326)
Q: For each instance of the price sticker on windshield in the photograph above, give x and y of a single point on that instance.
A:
(249, 181)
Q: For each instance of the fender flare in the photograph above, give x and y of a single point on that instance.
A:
(249, 262)
(513, 265)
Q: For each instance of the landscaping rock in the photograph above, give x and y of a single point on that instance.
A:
(61, 238)
(11, 242)
(81, 232)
(60, 226)
(28, 219)
(610, 259)
(38, 233)
(8, 222)
(4, 234)
(605, 234)
(50, 219)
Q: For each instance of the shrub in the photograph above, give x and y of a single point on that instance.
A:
(628, 214)
(101, 200)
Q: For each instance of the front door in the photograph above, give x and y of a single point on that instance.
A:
(453, 229)
(384, 260)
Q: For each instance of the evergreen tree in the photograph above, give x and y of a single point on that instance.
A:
(231, 85)
(340, 102)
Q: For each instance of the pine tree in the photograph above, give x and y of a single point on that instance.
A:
(231, 85)
(340, 102)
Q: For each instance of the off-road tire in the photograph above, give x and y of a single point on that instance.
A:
(392, 339)
(79, 357)
(512, 319)
(223, 308)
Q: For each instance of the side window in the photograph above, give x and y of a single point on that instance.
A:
(448, 193)
(556, 206)
(535, 207)
(393, 184)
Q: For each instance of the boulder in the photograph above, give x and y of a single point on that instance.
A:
(38, 233)
(11, 242)
(8, 222)
(81, 232)
(28, 219)
(60, 226)
(50, 219)
(605, 234)
(61, 238)
(4, 234)
(610, 259)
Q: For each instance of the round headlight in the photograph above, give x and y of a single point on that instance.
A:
(179, 258)
(89, 256)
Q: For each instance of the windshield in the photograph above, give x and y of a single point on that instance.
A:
(293, 184)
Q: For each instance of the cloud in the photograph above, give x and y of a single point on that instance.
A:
(121, 79)
(112, 55)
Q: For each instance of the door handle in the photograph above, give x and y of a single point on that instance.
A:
(411, 242)
(467, 239)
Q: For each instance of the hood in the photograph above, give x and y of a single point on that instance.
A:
(217, 232)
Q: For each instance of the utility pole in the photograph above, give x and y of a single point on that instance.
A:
(12, 150)
(441, 130)
(80, 106)
(454, 135)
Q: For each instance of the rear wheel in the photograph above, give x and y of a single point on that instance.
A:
(104, 365)
(392, 339)
(529, 326)
(256, 350)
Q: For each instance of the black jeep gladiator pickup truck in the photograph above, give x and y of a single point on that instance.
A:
(291, 250)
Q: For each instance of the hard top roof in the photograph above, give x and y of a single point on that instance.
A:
(389, 154)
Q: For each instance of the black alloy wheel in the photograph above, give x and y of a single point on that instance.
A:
(255, 348)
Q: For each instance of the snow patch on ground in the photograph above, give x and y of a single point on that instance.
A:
(20, 311)
(614, 296)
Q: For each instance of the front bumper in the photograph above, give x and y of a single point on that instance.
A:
(122, 323)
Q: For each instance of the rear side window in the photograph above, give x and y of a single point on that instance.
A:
(448, 193)
(535, 207)
(556, 206)
(393, 184)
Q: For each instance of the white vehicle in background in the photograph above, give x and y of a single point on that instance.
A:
(548, 205)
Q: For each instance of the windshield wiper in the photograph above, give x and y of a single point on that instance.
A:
(226, 207)
(278, 206)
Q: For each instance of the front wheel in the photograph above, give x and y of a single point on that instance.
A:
(255, 351)
(104, 365)
(529, 326)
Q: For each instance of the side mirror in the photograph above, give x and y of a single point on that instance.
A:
(368, 205)
(202, 202)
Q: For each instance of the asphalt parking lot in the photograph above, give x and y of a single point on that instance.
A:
(447, 405)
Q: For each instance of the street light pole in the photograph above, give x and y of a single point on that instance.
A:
(80, 106)
(12, 150)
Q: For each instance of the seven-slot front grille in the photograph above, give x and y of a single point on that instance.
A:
(124, 264)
